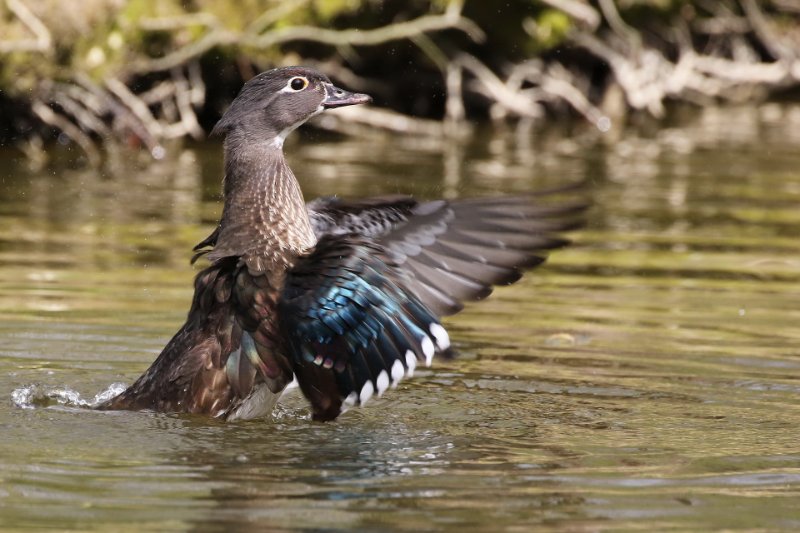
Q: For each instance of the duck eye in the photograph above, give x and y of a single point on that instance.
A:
(298, 84)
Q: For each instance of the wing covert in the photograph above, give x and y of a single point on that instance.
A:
(368, 217)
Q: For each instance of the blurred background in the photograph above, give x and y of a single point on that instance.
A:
(146, 72)
(645, 377)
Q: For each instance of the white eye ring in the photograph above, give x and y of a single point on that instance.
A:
(297, 84)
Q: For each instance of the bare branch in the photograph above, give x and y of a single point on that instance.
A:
(135, 104)
(49, 117)
(271, 16)
(578, 10)
(558, 83)
(179, 22)
(183, 99)
(722, 25)
(619, 26)
(43, 41)
(217, 36)
(498, 91)
(766, 35)
(356, 37)
(86, 118)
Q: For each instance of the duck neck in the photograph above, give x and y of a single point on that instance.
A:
(264, 218)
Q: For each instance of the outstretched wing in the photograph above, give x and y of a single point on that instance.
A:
(351, 326)
(456, 250)
(223, 354)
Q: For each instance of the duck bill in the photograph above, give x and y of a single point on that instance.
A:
(336, 97)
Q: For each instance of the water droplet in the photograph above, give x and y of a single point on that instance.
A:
(36, 395)
(113, 390)
(603, 124)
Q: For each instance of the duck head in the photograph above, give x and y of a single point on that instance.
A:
(277, 101)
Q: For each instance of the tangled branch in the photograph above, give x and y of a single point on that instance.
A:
(84, 110)
(649, 77)
(717, 50)
(252, 38)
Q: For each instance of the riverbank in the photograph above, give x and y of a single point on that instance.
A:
(143, 73)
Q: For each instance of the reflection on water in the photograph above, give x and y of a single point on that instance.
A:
(647, 377)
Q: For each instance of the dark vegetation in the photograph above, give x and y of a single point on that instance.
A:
(144, 72)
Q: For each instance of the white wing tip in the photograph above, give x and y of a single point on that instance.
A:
(441, 336)
(382, 382)
(428, 350)
(411, 363)
(398, 372)
(349, 401)
(366, 392)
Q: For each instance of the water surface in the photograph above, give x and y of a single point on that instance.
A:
(646, 377)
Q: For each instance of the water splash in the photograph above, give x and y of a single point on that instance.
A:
(37, 395)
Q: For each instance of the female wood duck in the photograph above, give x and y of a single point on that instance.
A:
(343, 296)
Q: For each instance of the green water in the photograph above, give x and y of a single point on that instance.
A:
(646, 378)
